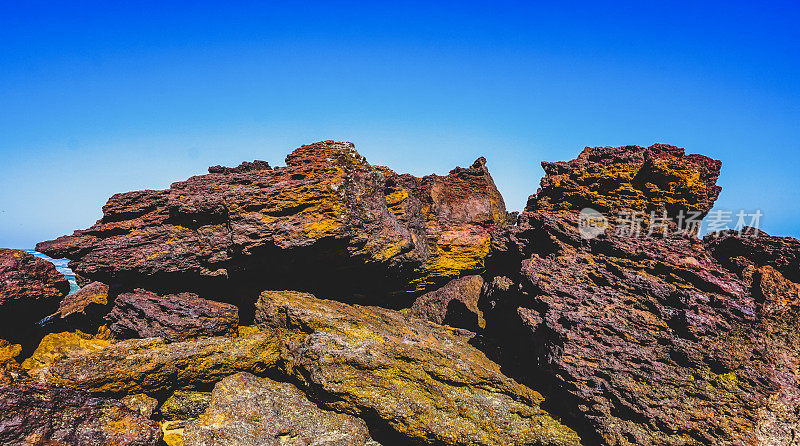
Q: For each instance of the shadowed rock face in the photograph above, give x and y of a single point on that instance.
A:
(36, 414)
(642, 340)
(363, 230)
(30, 289)
(251, 411)
(455, 304)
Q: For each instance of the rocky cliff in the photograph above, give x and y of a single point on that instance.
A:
(436, 317)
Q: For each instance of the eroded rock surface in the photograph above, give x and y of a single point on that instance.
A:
(34, 414)
(185, 405)
(251, 411)
(364, 230)
(30, 289)
(638, 340)
(424, 380)
(142, 314)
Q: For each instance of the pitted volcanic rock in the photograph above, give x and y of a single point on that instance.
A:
(328, 222)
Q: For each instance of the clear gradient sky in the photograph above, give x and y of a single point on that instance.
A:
(106, 97)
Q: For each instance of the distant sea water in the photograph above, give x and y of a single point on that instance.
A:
(61, 266)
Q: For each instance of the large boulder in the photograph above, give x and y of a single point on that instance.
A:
(143, 314)
(455, 304)
(30, 289)
(251, 411)
(34, 414)
(638, 340)
(630, 178)
(363, 230)
(423, 380)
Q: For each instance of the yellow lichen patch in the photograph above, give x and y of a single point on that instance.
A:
(55, 346)
(454, 252)
(321, 227)
(8, 351)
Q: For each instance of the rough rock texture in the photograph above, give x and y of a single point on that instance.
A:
(174, 317)
(455, 304)
(141, 403)
(10, 370)
(758, 248)
(638, 340)
(41, 415)
(631, 178)
(363, 230)
(185, 405)
(30, 288)
(424, 380)
(83, 309)
(251, 411)
(150, 365)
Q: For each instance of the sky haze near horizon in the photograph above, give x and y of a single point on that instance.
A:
(107, 97)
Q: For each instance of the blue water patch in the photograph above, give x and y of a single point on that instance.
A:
(61, 266)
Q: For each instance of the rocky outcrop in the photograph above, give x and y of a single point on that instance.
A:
(637, 340)
(10, 370)
(40, 415)
(455, 304)
(424, 380)
(30, 288)
(630, 178)
(247, 410)
(150, 365)
(751, 247)
(173, 317)
(365, 231)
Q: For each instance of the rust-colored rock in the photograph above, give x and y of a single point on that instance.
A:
(83, 309)
(185, 405)
(630, 178)
(30, 288)
(422, 379)
(10, 370)
(173, 317)
(251, 411)
(33, 414)
(363, 230)
(455, 304)
(640, 340)
(141, 403)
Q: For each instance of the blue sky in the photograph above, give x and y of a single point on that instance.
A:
(105, 97)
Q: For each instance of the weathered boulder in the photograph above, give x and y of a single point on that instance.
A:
(363, 230)
(630, 178)
(150, 365)
(750, 246)
(30, 288)
(637, 340)
(424, 380)
(35, 414)
(247, 410)
(143, 314)
(455, 304)
(185, 405)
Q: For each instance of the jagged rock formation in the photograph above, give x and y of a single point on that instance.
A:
(30, 289)
(630, 178)
(617, 338)
(251, 411)
(364, 230)
(640, 340)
